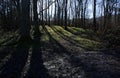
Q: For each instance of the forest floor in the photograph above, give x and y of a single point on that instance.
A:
(75, 53)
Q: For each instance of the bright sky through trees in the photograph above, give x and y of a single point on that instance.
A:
(89, 12)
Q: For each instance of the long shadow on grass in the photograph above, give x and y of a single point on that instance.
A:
(69, 39)
(5, 51)
(84, 34)
(91, 70)
(58, 48)
(22, 63)
(37, 69)
(14, 66)
(7, 47)
(113, 52)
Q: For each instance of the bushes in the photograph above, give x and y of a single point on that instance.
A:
(112, 37)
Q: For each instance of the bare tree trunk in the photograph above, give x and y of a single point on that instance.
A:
(55, 14)
(42, 15)
(36, 33)
(94, 16)
(48, 14)
(25, 21)
(66, 1)
(84, 19)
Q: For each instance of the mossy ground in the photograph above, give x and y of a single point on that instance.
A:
(86, 38)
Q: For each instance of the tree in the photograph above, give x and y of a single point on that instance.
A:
(25, 22)
(94, 15)
(66, 1)
(36, 33)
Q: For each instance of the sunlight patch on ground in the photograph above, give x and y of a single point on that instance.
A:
(44, 38)
(85, 42)
(52, 32)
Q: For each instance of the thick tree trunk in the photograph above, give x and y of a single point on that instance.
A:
(36, 33)
(25, 21)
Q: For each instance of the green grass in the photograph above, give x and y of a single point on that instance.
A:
(85, 33)
(85, 42)
(52, 32)
(86, 38)
(5, 37)
(44, 37)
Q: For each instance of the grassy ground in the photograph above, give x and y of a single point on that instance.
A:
(7, 37)
(71, 60)
(59, 54)
(86, 38)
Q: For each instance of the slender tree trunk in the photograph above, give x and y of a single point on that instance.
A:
(84, 21)
(62, 17)
(42, 15)
(55, 14)
(66, 14)
(94, 16)
(48, 14)
(58, 13)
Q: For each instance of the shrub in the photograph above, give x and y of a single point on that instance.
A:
(112, 37)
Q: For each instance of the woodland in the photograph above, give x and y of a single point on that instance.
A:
(59, 39)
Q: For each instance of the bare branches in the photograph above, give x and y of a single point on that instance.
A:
(48, 6)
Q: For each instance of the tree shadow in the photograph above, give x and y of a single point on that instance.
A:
(58, 48)
(14, 66)
(5, 51)
(6, 40)
(91, 70)
(37, 69)
(19, 66)
(69, 39)
(113, 52)
(84, 34)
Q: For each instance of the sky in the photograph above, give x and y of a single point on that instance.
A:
(90, 8)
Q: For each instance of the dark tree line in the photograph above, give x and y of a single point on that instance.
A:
(22, 14)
